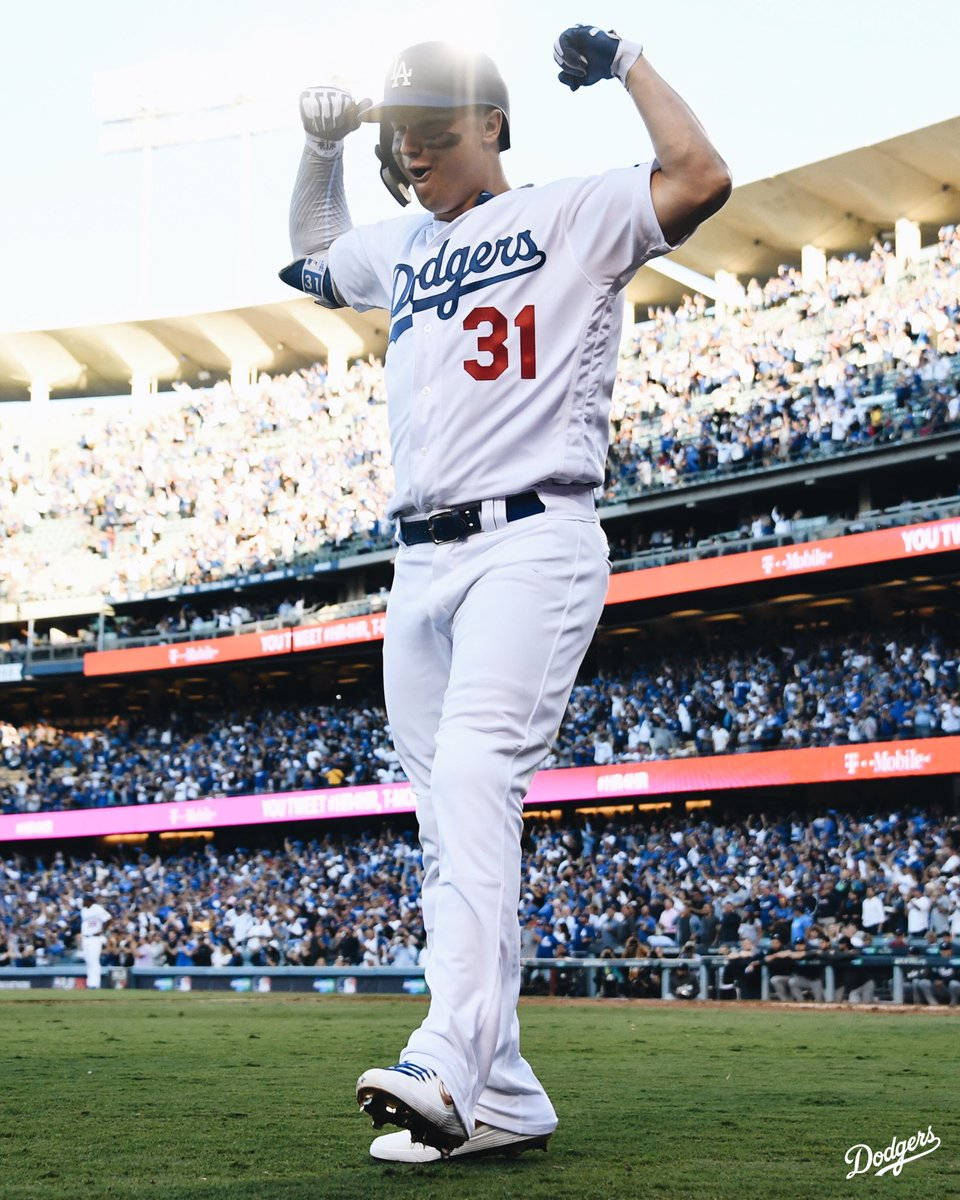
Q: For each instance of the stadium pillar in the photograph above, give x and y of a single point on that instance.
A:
(730, 291)
(336, 361)
(907, 247)
(143, 385)
(813, 265)
(242, 375)
(39, 391)
(629, 320)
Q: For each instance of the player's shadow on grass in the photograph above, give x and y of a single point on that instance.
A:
(530, 1162)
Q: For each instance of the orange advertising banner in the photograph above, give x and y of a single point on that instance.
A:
(787, 562)
(242, 646)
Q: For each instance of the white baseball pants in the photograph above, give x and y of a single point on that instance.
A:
(91, 946)
(484, 638)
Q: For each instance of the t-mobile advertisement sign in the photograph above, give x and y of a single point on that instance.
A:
(911, 541)
(772, 768)
(345, 632)
(785, 562)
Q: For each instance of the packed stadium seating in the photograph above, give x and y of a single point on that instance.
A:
(796, 374)
(215, 483)
(623, 889)
(212, 484)
(710, 698)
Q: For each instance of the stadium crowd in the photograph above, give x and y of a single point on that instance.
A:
(218, 483)
(189, 619)
(819, 690)
(856, 361)
(762, 888)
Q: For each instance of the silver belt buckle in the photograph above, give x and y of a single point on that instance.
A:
(442, 514)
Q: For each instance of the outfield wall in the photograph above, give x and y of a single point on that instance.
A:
(555, 976)
(647, 780)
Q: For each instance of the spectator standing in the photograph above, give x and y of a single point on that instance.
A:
(918, 913)
(872, 912)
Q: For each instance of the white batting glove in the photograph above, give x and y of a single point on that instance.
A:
(328, 115)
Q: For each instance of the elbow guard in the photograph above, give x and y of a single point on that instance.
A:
(312, 275)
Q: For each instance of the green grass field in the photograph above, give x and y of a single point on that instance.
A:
(251, 1097)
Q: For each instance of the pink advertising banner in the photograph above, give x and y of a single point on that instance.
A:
(647, 780)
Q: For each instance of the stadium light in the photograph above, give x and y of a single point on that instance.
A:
(148, 106)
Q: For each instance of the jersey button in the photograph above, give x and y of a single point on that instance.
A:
(425, 391)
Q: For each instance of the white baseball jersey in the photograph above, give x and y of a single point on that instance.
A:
(95, 916)
(504, 332)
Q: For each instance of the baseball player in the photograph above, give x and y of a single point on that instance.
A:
(505, 316)
(93, 919)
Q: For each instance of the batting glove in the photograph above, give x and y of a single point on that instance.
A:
(329, 114)
(585, 55)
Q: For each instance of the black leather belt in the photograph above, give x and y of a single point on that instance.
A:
(455, 524)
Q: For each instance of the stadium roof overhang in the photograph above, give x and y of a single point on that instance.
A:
(838, 204)
(197, 348)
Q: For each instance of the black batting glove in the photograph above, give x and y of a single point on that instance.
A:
(586, 54)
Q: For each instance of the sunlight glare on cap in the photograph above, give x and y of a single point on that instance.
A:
(466, 29)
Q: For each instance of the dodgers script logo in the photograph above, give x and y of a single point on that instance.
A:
(893, 1158)
(447, 276)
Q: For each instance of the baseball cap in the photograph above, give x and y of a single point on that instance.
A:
(439, 75)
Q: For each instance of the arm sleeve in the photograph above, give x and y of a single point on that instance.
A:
(612, 226)
(318, 206)
(337, 265)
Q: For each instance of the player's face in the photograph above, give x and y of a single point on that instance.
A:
(444, 154)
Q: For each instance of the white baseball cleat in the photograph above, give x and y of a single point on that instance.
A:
(485, 1140)
(414, 1098)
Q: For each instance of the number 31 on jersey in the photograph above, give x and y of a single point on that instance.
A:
(494, 343)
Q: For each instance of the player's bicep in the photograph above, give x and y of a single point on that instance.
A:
(679, 208)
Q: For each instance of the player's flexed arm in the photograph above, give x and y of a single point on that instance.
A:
(318, 207)
(693, 181)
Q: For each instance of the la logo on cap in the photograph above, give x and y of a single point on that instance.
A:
(401, 74)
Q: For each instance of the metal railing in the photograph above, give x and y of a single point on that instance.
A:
(588, 977)
(806, 529)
